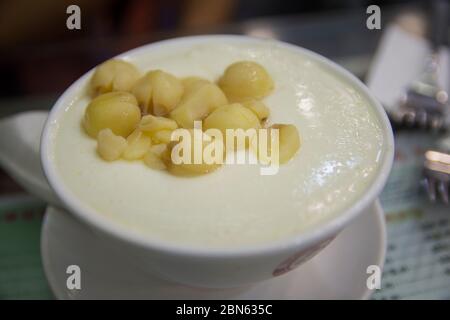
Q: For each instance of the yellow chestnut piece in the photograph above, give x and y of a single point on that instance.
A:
(289, 141)
(117, 111)
(159, 149)
(258, 108)
(137, 145)
(197, 103)
(162, 136)
(151, 124)
(158, 92)
(114, 75)
(192, 84)
(246, 80)
(181, 159)
(110, 146)
(232, 116)
(154, 157)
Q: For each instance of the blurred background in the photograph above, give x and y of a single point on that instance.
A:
(40, 57)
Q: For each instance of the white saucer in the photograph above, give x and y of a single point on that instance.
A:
(338, 272)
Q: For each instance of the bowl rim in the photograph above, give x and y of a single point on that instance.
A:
(302, 240)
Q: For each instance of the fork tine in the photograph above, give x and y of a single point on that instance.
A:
(435, 123)
(409, 118)
(430, 188)
(442, 188)
(422, 119)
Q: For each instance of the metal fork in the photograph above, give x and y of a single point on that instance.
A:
(426, 103)
(437, 175)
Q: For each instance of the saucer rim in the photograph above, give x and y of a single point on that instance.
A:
(375, 209)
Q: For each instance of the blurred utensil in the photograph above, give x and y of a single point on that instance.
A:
(437, 175)
(425, 103)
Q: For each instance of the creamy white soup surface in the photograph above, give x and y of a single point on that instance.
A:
(342, 144)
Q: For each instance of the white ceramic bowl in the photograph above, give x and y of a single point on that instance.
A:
(208, 267)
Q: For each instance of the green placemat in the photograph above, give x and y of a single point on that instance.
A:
(21, 273)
